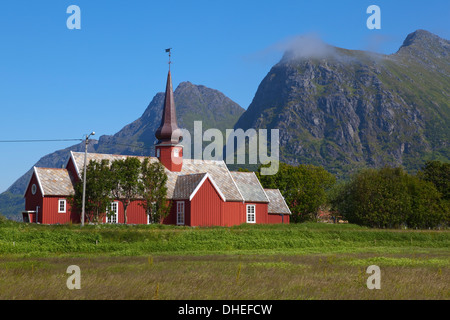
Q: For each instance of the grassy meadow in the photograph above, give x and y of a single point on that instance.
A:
(297, 261)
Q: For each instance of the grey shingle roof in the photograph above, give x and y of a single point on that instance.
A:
(277, 203)
(185, 185)
(55, 182)
(78, 158)
(249, 186)
(217, 170)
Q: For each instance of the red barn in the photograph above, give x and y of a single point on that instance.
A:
(202, 192)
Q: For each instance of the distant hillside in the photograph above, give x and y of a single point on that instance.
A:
(347, 109)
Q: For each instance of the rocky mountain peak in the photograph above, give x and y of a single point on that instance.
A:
(344, 109)
(419, 37)
(425, 46)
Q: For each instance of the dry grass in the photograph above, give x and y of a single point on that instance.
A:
(286, 277)
(263, 262)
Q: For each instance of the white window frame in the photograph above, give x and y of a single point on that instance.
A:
(158, 152)
(148, 216)
(64, 203)
(180, 213)
(251, 216)
(176, 152)
(115, 210)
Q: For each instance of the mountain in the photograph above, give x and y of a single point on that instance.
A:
(347, 109)
(193, 102)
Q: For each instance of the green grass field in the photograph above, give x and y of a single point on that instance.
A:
(297, 261)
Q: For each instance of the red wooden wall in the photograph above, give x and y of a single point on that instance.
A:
(33, 201)
(172, 217)
(167, 158)
(233, 213)
(50, 214)
(206, 206)
(135, 213)
(276, 218)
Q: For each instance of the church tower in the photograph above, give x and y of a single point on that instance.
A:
(168, 150)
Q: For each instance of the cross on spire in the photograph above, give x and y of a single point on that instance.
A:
(170, 62)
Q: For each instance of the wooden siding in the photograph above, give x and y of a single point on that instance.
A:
(233, 213)
(261, 212)
(276, 218)
(172, 216)
(206, 206)
(165, 157)
(33, 201)
(135, 213)
(50, 214)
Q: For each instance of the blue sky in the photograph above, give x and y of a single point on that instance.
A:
(57, 83)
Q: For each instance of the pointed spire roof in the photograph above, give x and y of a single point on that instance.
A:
(168, 131)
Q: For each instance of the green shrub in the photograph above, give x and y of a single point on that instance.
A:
(391, 198)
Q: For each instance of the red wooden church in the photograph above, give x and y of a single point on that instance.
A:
(203, 192)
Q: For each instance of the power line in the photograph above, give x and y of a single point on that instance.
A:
(39, 140)
(53, 140)
(143, 147)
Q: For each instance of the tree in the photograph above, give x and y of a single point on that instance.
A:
(390, 198)
(98, 191)
(376, 198)
(125, 181)
(428, 208)
(304, 188)
(437, 173)
(154, 191)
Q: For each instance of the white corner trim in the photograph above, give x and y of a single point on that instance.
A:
(207, 176)
(284, 201)
(260, 185)
(232, 179)
(68, 159)
(74, 164)
(39, 181)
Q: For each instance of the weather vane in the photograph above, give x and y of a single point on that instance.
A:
(170, 62)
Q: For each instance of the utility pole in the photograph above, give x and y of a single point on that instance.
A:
(84, 177)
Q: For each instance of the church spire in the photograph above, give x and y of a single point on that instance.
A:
(168, 131)
(168, 150)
